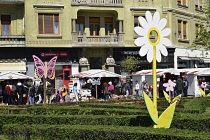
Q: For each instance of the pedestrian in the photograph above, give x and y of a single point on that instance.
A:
(127, 89)
(111, 89)
(13, 95)
(105, 91)
(64, 92)
(7, 93)
(20, 92)
(179, 86)
(40, 92)
(161, 88)
(146, 87)
(75, 91)
(137, 87)
(32, 93)
(185, 86)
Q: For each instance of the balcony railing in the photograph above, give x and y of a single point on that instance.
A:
(11, 1)
(12, 41)
(112, 40)
(117, 3)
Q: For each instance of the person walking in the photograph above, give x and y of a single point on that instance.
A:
(20, 92)
(64, 92)
(111, 89)
(105, 91)
(179, 86)
(32, 93)
(14, 95)
(146, 87)
(185, 86)
(40, 92)
(137, 89)
(75, 91)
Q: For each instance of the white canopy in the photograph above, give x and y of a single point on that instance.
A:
(96, 73)
(159, 72)
(13, 75)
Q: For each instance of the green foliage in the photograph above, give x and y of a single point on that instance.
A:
(196, 105)
(130, 64)
(93, 132)
(203, 39)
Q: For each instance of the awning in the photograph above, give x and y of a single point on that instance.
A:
(13, 75)
(190, 58)
(15, 65)
(158, 72)
(198, 71)
(96, 73)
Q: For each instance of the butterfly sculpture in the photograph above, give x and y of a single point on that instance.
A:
(40, 67)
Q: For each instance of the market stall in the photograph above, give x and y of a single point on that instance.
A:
(86, 78)
(146, 75)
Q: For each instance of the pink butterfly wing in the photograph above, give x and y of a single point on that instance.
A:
(51, 66)
(39, 66)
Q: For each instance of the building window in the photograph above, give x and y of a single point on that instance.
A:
(182, 29)
(94, 26)
(182, 3)
(5, 24)
(48, 23)
(80, 25)
(108, 25)
(136, 22)
(198, 5)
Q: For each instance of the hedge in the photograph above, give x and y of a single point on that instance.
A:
(87, 132)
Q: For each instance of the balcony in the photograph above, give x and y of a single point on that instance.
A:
(11, 1)
(110, 41)
(114, 3)
(12, 41)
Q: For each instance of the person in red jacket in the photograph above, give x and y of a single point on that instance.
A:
(7, 95)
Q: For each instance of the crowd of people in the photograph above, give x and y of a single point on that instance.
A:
(31, 93)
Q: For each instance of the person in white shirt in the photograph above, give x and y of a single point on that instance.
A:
(137, 89)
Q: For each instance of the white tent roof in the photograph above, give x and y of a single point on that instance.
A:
(159, 72)
(96, 73)
(195, 71)
(198, 71)
(13, 75)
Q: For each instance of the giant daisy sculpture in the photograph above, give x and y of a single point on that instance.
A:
(152, 24)
(153, 49)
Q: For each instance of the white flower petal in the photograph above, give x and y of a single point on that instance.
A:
(165, 32)
(156, 18)
(150, 55)
(143, 50)
(149, 17)
(140, 31)
(162, 49)
(162, 23)
(158, 55)
(139, 41)
(143, 22)
(166, 42)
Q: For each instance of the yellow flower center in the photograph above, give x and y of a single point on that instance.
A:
(158, 36)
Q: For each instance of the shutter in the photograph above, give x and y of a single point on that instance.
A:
(40, 22)
(184, 2)
(80, 20)
(179, 26)
(184, 28)
(56, 18)
(5, 19)
(48, 24)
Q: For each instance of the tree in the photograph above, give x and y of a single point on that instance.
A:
(203, 35)
(129, 64)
